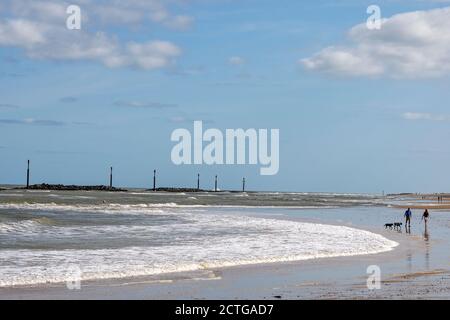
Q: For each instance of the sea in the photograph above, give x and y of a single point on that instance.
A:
(50, 237)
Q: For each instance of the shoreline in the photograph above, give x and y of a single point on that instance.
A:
(341, 277)
(416, 268)
(307, 279)
(169, 276)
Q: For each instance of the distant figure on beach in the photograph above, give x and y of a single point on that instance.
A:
(425, 217)
(408, 215)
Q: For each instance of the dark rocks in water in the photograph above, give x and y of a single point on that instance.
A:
(193, 190)
(61, 187)
(188, 190)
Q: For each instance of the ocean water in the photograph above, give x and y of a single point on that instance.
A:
(47, 237)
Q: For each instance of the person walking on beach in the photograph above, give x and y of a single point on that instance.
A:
(408, 215)
(425, 217)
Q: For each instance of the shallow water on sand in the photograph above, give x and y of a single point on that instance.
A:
(50, 237)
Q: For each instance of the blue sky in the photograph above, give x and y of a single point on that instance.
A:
(358, 110)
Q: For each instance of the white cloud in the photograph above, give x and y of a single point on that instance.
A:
(236, 61)
(43, 10)
(408, 45)
(43, 41)
(117, 12)
(117, 15)
(151, 55)
(179, 22)
(21, 33)
(38, 27)
(425, 116)
(136, 12)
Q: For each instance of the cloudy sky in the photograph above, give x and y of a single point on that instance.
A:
(358, 110)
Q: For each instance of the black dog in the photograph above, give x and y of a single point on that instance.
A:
(398, 225)
(389, 225)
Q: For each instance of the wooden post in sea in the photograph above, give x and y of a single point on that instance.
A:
(215, 185)
(198, 182)
(154, 180)
(111, 178)
(28, 175)
(243, 184)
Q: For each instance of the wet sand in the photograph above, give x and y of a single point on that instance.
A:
(425, 201)
(419, 268)
(337, 278)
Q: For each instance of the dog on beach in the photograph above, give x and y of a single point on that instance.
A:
(395, 225)
(398, 225)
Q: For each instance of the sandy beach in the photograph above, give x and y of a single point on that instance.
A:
(338, 278)
(418, 268)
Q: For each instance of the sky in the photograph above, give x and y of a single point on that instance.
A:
(358, 110)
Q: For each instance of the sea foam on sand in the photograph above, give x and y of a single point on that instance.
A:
(200, 240)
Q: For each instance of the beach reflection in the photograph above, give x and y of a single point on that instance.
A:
(409, 260)
(426, 236)
(408, 229)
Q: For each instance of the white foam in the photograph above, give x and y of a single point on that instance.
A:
(22, 226)
(101, 208)
(115, 207)
(248, 240)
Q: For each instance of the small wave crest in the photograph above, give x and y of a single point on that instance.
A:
(28, 225)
